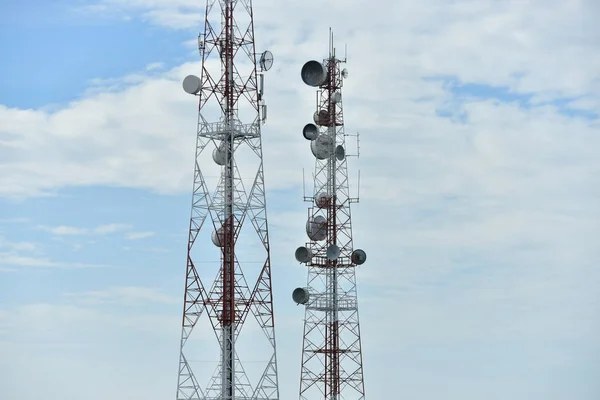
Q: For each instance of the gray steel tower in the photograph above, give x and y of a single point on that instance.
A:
(331, 353)
(228, 233)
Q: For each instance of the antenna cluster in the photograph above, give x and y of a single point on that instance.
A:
(331, 352)
(231, 79)
(331, 359)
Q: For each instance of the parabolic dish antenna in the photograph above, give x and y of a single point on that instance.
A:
(313, 73)
(310, 131)
(344, 73)
(300, 296)
(191, 84)
(218, 155)
(358, 257)
(218, 237)
(322, 146)
(322, 199)
(316, 228)
(340, 153)
(336, 97)
(303, 254)
(333, 252)
(321, 117)
(266, 60)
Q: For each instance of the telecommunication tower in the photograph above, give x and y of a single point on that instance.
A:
(331, 354)
(228, 231)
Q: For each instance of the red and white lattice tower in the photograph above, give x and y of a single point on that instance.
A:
(228, 275)
(331, 353)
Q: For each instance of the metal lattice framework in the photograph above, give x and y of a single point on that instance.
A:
(229, 87)
(331, 354)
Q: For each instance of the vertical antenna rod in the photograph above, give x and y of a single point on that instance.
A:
(331, 352)
(225, 88)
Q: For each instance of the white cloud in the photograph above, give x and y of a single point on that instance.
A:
(18, 246)
(125, 295)
(147, 249)
(145, 121)
(155, 66)
(178, 14)
(111, 228)
(139, 235)
(64, 338)
(13, 259)
(13, 220)
(63, 230)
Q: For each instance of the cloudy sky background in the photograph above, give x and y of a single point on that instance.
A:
(480, 166)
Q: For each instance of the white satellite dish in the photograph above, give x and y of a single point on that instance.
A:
(344, 73)
(321, 117)
(218, 155)
(333, 252)
(266, 60)
(300, 296)
(218, 237)
(358, 257)
(321, 147)
(303, 254)
(336, 97)
(322, 199)
(192, 84)
(340, 153)
(316, 228)
(313, 73)
(310, 131)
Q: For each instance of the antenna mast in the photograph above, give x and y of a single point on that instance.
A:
(331, 352)
(231, 110)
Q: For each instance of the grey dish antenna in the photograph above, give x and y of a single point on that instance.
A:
(218, 237)
(322, 200)
(313, 73)
(321, 146)
(192, 84)
(344, 73)
(266, 60)
(300, 296)
(358, 257)
(310, 131)
(340, 153)
(218, 154)
(303, 254)
(316, 228)
(321, 117)
(333, 252)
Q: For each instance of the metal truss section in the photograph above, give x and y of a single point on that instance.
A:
(228, 270)
(331, 352)
(220, 130)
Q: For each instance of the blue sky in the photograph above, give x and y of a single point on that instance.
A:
(56, 50)
(479, 193)
(36, 218)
